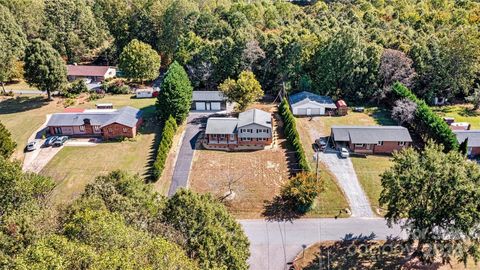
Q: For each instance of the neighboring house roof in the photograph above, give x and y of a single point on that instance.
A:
(224, 125)
(207, 96)
(126, 116)
(304, 97)
(472, 135)
(218, 125)
(371, 134)
(78, 70)
(255, 116)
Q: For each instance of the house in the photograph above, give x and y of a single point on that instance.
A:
(209, 101)
(310, 104)
(473, 143)
(90, 73)
(251, 130)
(105, 123)
(371, 139)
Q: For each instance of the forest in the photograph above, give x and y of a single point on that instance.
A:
(351, 49)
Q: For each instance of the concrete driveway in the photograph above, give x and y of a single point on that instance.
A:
(35, 161)
(347, 179)
(273, 245)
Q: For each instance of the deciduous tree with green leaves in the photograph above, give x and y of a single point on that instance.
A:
(176, 96)
(7, 145)
(435, 196)
(244, 91)
(44, 68)
(139, 62)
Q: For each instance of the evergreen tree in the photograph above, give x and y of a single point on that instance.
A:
(175, 98)
(7, 145)
(139, 61)
(463, 148)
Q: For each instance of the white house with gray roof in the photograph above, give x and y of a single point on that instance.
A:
(473, 143)
(251, 130)
(106, 123)
(209, 101)
(371, 139)
(310, 104)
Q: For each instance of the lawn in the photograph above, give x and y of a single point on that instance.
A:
(368, 171)
(332, 200)
(461, 113)
(19, 85)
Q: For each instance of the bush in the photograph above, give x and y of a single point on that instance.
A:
(77, 87)
(116, 87)
(427, 123)
(301, 191)
(292, 135)
(168, 132)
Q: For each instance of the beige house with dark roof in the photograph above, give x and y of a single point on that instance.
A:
(92, 73)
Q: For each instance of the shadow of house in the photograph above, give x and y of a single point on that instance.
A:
(22, 104)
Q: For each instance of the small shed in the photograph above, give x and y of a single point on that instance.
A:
(144, 93)
(102, 106)
(342, 108)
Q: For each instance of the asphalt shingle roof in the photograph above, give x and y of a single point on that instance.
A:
(472, 135)
(255, 116)
(79, 70)
(371, 134)
(126, 116)
(301, 96)
(223, 125)
(207, 96)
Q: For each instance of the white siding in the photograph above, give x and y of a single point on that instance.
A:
(309, 108)
(215, 106)
(200, 106)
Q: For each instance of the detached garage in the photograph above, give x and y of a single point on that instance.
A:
(208, 101)
(310, 104)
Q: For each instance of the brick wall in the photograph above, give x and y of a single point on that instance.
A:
(116, 130)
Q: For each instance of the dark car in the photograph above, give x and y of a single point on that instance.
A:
(358, 109)
(50, 140)
(60, 141)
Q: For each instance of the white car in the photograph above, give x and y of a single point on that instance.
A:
(32, 146)
(344, 152)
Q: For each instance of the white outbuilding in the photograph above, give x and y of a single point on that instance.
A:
(310, 104)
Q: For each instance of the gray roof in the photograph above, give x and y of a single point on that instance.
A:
(255, 116)
(307, 96)
(224, 125)
(472, 135)
(221, 125)
(207, 96)
(371, 134)
(126, 116)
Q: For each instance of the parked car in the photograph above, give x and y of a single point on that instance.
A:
(344, 152)
(32, 146)
(321, 143)
(60, 141)
(358, 109)
(50, 140)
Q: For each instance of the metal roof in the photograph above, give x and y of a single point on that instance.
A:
(472, 135)
(79, 70)
(126, 116)
(207, 96)
(221, 125)
(322, 100)
(371, 134)
(255, 116)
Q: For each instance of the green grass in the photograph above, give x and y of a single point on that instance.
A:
(368, 171)
(19, 85)
(461, 113)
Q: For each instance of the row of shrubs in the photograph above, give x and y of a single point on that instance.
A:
(166, 141)
(292, 135)
(426, 121)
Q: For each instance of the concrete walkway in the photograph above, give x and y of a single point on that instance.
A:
(343, 170)
(273, 245)
(183, 163)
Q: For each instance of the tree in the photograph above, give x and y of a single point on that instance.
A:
(404, 111)
(176, 96)
(435, 196)
(139, 61)
(7, 145)
(12, 42)
(301, 191)
(213, 236)
(463, 148)
(77, 87)
(395, 66)
(44, 68)
(251, 54)
(245, 90)
(474, 98)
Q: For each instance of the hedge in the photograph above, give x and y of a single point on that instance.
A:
(427, 122)
(292, 135)
(166, 141)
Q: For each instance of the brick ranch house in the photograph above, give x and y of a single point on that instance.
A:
(93, 73)
(371, 139)
(473, 143)
(251, 130)
(107, 123)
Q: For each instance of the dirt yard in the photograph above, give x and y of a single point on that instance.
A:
(254, 176)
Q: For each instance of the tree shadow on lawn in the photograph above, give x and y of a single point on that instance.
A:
(22, 104)
(467, 112)
(382, 117)
(280, 209)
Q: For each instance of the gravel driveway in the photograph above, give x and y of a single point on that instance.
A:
(343, 170)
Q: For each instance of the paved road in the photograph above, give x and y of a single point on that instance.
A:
(343, 170)
(185, 155)
(273, 245)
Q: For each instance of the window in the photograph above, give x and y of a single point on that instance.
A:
(380, 143)
(359, 145)
(125, 130)
(82, 128)
(401, 143)
(214, 135)
(110, 130)
(246, 139)
(222, 136)
(96, 128)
